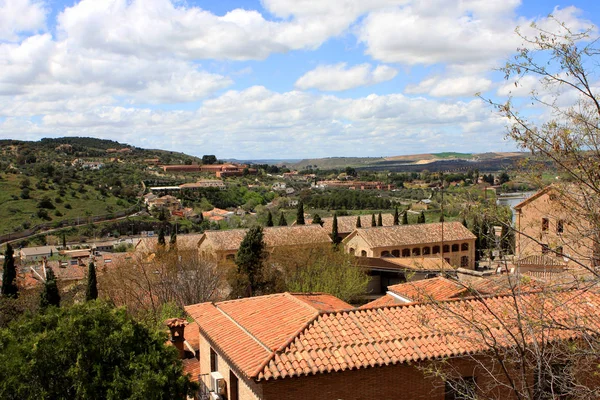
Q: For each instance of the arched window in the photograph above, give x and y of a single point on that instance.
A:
(436, 249)
(352, 250)
(363, 253)
(416, 251)
(385, 254)
(405, 252)
(426, 250)
(396, 253)
(455, 248)
(464, 247)
(446, 248)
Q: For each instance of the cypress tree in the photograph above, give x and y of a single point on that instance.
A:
(441, 217)
(282, 221)
(269, 219)
(161, 237)
(300, 213)
(50, 295)
(379, 220)
(373, 222)
(358, 223)
(64, 241)
(317, 220)
(464, 222)
(405, 218)
(334, 231)
(200, 218)
(173, 240)
(249, 260)
(91, 292)
(421, 218)
(396, 217)
(477, 231)
(9, 274)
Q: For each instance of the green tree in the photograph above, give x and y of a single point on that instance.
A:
(209, 159)
(249, 277)
(396, 217)
(50, 295)
(317, 220)
(269, 219)
(464, 222)
(358, 223)
(300, 213)
(441, 217)
(173, 239)
(9, 274)
(421, 218)
(282, 221)
(64, 240)
(91, 292)
(379, 220)
(334, 231)
(161, 237)
(88, 351)
(405, 218)
(373, 222)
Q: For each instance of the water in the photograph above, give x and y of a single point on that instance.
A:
(512, 200)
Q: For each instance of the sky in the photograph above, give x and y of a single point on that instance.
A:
(269, 79)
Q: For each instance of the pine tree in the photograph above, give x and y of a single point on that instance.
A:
(50, 295)
(269, 219)
(300, 213)
(282, 221)
(317, 220)
(379, 220)
(91, 292)
(334, 231)
(161, 237)
(9, 274)
(396, 217)
(358, 223)
(173, 239)
(405, 218)
(373, 222)
(249, 260)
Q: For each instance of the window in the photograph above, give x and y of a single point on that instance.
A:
(436, 249)
(385, 254)
(545, 224)
(396, 253)
(416, 251)
(426, 251)
(233, 386)
(545, 249)
(405, 252)
(214, 361)
(460, 389)
(464, 261)
(352, 250)
(464, 247)
(560, 226)
(455, 248)
(446, 248)
(363, 253)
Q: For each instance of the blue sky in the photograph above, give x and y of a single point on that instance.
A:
(270, 78)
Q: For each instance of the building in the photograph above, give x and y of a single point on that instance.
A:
(553, 222)
(355, 185)
(182, 168)
(450, 241)
(168, 202)
(310, 346)
(204, 183)
(37, 253)
(347, 223)
(225, 244)
(434, 289)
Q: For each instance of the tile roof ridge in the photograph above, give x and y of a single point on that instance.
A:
(246, 331)
(303, 303)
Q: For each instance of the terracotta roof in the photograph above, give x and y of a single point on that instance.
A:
(383, 301)
(404, 235)
(347, 224)
(185, 242)
(438, 288)
(433, 264)
(191, 366)
(269, 340)
(323, 301)
(273, 237)
(503, 284)
(542, 261)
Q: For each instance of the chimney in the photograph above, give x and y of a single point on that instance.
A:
(176, 328)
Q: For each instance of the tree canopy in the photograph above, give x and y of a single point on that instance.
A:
(9, 274)
(87, 351)
(91, 292)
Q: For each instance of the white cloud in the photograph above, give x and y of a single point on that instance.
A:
(454, 86)
(338, 77)
(19, 16)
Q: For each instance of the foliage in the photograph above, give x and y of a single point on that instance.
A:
(269, 219)
(9, 274)
(300, 213)
(396, 216)
(379, 220)
(88, 351)
(405, 218)
(91, 292)
(282, 220)
(334, 231)
(161, 236)
(317, 220)
(250, 277)
(373, 222)
(358, 223)
(50, 295)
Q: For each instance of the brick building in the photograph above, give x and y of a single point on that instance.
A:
(347, 223)
(307, 346)
(450, 241)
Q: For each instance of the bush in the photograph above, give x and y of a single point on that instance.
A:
(43, 214)
(45, 202)
(68, 206)
(25, 193)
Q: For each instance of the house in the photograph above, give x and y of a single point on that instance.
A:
(225, 244)
(217, 214)
(37, 253)
(149, 197)
(278, 186)
(204, 183)
(553, 222)
(448, 240)
(306, 346)
(168, 202)
(434, 289)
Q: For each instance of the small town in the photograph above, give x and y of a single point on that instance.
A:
(256, 200)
